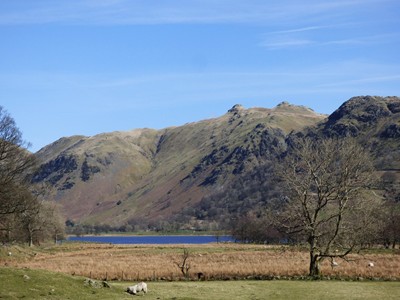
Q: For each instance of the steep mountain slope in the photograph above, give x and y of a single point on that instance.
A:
(148, 175)
(373, 121)
(86, 174)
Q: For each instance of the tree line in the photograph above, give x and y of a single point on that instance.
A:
(23, 216)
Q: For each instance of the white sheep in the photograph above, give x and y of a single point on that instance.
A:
(370, 264)
(140, 287)
(334, 264)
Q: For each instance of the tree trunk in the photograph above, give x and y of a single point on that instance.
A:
(314, 257)
(314, 265)
(30, 236)
(8, 236)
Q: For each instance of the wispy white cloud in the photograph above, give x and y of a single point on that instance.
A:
(117, 12)
(296, 43)
(363, 40)
(301, 29)
(290, 39)
(210, 86)
(362, 81)
(111, 12)
(286, 43)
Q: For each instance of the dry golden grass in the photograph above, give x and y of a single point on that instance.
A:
(215, 261)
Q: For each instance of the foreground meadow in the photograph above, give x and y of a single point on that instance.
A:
(40, 284)
(214, 261)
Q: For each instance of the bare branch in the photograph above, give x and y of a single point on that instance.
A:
(324, 183)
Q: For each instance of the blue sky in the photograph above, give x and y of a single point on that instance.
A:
(90, 66)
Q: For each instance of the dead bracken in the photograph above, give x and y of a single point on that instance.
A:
(214, 262)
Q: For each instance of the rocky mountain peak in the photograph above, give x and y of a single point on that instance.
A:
(359, 113)
(236, 108)
(284, 104)
(292, 108)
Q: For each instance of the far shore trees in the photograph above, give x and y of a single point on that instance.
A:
(329, 202)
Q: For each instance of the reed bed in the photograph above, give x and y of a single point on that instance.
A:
(214, 261)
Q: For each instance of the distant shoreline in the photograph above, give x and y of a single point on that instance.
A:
(151, 234)
(151, 239)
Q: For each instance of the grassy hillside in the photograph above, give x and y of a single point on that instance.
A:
(147, 174)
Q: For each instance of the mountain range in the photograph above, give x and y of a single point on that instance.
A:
(151, 175)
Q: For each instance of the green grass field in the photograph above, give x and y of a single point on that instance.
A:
(50, 285)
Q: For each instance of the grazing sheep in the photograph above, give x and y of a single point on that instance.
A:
(370, 264)
(334, 264)
(140, 287)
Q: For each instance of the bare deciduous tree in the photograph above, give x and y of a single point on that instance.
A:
(15, 161)
(183, 264)
(390, 231)
(327, 203)
(40, 222)
(22, 215)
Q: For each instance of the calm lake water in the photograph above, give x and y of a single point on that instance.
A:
(163, 239)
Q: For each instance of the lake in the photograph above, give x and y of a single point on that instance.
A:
(156, 239)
